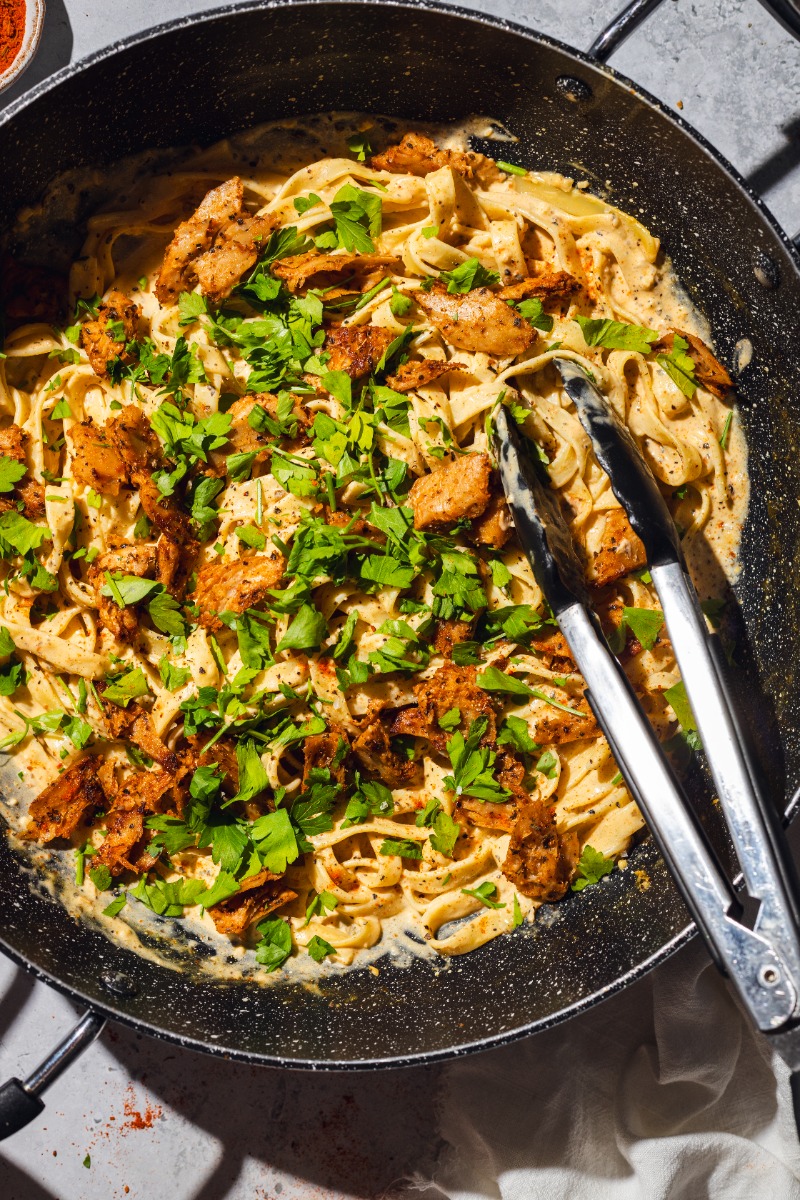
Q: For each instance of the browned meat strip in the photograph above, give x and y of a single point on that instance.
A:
(29, 293)
(59, 809)
(449, 634)
(96, 462)
(709, 371)
(330, 751)
(451, 687)
(31, 493)
(621, 551)
(417, 154)
(497, 817)
(343, 517)
(551, 645)
(195, 236)
(257, 896)
(164, 513)
(12, 444)
(413, 375)
(323, 271)
(13, 441)
(127, 559)
(478, 320)
(223, 753)
(124, 831)
(356, 349)
(495, 526)
(550, 285)
(375, 752)
(235, 586)
(244, 439)
(554, 726)
(458, 489)
(104, 338)
(235, 250)
(540, 862)
(134, 439)
(134, 724)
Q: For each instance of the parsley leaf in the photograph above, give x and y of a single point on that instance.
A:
(399, 304)
(533, 311)
(592, 866)
(251, 536)
(472, 766)
(484, 892)
(676, 697)
(514, 732)
(306, 631)
(319, 904)
(548, 764)
(371, 798)
(357, 216)
(451, 719)
(359, 145)
(494, 680)
(223, 887)
(645, 624)
(466, 654)
(318, 948)
(275, 840)
(126, 687)
(18, 534)
(401, 847)
(113, 909)
(101, 877)
(127, 589)
(680, 366)
(470, 274)
(191, 305)
(11, 472)
(252, 776)
(615, 335)
(165, 613)
(275, 944)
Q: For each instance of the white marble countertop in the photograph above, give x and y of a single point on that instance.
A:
(157, 1121)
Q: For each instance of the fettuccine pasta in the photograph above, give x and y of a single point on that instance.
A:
(273, 661)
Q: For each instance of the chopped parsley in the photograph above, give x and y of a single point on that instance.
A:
(592, 867)
(484, 893)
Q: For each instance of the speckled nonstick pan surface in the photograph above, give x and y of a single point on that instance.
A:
(200, 78)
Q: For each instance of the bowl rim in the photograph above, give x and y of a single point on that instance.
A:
(34, 23)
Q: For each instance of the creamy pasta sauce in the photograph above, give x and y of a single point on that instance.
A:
(349, 892)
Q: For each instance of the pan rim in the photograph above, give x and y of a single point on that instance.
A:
(459, 13)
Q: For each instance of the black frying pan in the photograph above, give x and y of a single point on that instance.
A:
(200, 78)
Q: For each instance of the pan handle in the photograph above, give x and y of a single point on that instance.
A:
(787, 12)
(20, 1099)
(621, 28)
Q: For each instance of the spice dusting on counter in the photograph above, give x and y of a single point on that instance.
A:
(12, 28)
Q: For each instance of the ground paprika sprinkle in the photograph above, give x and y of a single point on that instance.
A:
(12, 27)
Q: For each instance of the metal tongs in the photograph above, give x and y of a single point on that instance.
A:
(762, 959)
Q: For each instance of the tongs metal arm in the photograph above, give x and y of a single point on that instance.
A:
(758, 972)
(760, 847)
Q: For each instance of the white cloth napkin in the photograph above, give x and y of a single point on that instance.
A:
(661, 1092)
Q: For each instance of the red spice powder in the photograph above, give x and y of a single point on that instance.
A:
(136, 1119)
(12, 27)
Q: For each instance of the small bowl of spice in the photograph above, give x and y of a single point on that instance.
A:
(20, 30)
